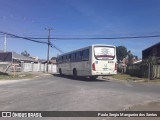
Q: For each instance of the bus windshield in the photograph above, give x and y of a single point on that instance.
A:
(104, 52)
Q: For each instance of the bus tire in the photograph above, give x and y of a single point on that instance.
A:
(93, 77)
(74, 73)
(60, 71)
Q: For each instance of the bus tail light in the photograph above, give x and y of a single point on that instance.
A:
(93, 67)
(115, 66)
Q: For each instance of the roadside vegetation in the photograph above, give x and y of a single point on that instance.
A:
(155, 81)
(121, 76)
(5, 76)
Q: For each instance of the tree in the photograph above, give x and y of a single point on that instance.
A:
(136, 57)
(25, 53)
(121, 52)
(130, 58)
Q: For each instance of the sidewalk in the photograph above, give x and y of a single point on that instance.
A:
(23, 77)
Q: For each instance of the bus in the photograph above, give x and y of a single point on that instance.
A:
(92, 61)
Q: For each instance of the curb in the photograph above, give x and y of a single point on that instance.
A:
(111, 78)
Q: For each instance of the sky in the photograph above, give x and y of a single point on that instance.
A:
(79, 18)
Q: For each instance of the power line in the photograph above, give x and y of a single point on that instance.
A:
(31, 39)
(16, 36)
(99, 35)
(98, 38)
(34, 39)
(78, 38)
(54, 46)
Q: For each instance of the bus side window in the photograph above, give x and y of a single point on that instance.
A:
(62, 59)
(72, 57)
(65, 58)
(78, 56)
(69, 58)
(57, 60)
(85, 54)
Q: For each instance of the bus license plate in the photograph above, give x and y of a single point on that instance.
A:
(105, 69)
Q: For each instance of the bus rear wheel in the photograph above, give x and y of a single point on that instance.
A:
(93, 77)
(75, 74)
(60, 71)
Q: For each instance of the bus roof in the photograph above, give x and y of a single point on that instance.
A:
(102, 45)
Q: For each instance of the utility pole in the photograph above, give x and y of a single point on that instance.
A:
(49, 30)
(5, 42)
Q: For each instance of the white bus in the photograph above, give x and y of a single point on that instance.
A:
(92, 61)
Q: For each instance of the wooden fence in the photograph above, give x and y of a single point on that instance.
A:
(143, 71)
(156, 71)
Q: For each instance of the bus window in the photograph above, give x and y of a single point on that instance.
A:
(104, 52)
(72, 57)
(69, 58)
(65, 58)
(78, 56)
(85, 54)
(60, 59)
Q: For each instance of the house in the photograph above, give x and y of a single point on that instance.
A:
(50, 62)
(135, 60)
(15, 57)
(34, 57)
(43, 61)
(14, 62)
(152, 51)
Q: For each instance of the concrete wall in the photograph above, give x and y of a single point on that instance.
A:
(4, 66)
(38, 67)
(27, 67)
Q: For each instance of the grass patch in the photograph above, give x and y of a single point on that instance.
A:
(155, 81)
(5, 76)
(126, 77)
